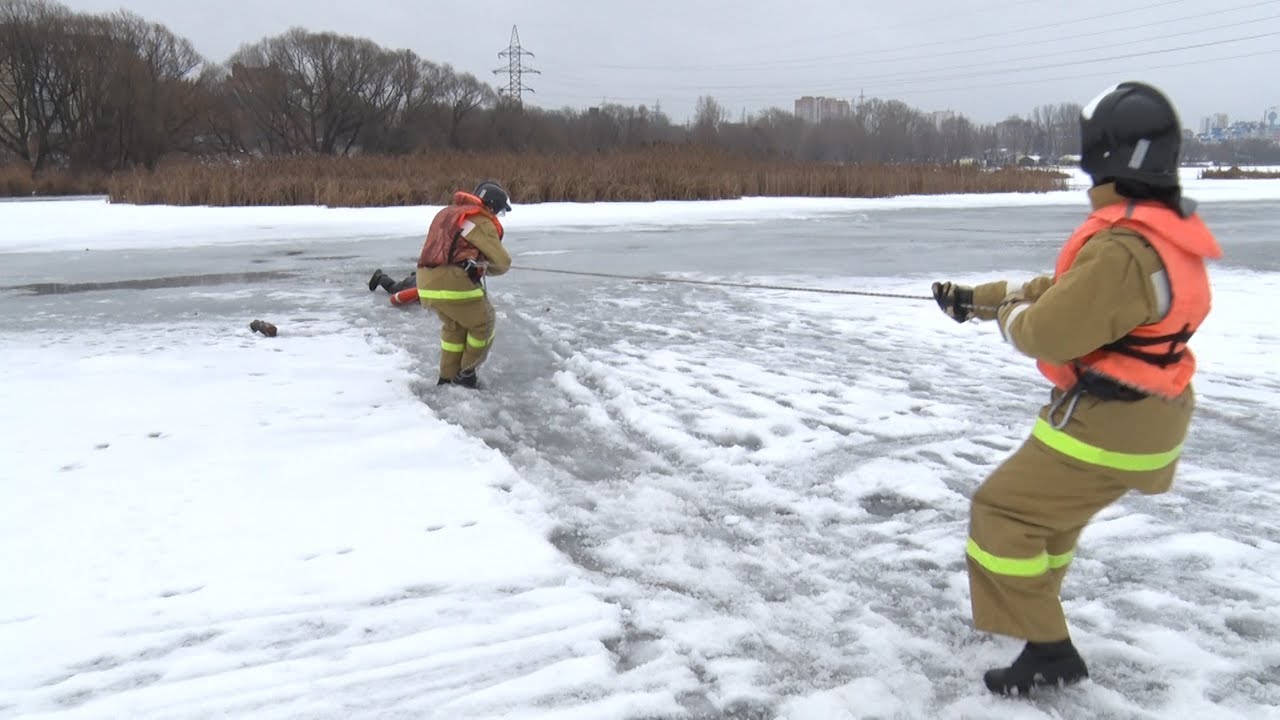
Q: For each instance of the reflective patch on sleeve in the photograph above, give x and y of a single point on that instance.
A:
(1008, 321)
(467, 227)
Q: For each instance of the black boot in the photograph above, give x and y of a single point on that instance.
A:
(1050, 664)
(467, 379)
(443, 381)
(376, 280)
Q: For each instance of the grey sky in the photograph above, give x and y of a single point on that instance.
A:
(987, 58)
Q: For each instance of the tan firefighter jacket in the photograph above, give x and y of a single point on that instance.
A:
(1107, 292)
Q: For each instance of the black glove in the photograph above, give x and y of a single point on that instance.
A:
(473, 270)
(955, 300)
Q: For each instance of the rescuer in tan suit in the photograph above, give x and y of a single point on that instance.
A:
(1109, 330)
(463, 246)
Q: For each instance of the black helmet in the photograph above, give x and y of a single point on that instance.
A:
(494, 196)
(1131, 132)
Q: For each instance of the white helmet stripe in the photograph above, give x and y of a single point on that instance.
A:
(1092, 107)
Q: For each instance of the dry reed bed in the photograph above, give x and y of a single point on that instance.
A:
(16, 180)
(1236, 173)
(659, 174)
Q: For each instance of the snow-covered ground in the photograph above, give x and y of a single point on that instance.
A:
(670, 501)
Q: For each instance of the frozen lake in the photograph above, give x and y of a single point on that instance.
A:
(712, 502)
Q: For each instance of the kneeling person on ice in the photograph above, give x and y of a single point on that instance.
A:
(464, 244)
(1109, 330)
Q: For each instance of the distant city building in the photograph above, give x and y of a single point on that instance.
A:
(816, 109)
(807, 108)
(832, 108)
(1217, 128)
(1271, 123)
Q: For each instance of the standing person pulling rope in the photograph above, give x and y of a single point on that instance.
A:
(1109, 331)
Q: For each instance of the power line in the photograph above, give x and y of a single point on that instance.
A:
(893, 90)
(968, 11)
(1111, 73)
(759, 65)
(943, 79)
(904, 77)
(1013, 64)
(1004, 83)
(1041, 42)
(515, 69)
(1091, 61)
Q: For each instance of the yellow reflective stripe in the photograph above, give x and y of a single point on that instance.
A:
(1084, 452)
(1061, 561)
(450, 294)
(478, 343)
(452, 347)
(1016, 567)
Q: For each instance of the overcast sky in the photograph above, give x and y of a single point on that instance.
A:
(987, 58)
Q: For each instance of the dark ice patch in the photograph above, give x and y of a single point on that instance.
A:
(172, 281)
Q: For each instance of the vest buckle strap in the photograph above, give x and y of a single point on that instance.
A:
(1177, 341)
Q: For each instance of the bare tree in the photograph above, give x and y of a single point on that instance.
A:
(322, 92)
(462, 94)
(167, 100)
(135, 91)
(959, 140)
(34, 84)
(889, 125)
(1067, 128)
(111, 91)
(707, 117)
(222, 126)
(419, 86)
(1016, 136)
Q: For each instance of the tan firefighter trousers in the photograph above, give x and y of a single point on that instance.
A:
(1026, 517)
(466, 333)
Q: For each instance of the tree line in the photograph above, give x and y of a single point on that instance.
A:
(110, 92)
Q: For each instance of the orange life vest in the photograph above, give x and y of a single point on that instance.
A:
(446, 244)
(1152, 358)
